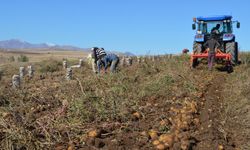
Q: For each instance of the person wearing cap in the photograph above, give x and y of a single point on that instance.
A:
(185, 51)
(211, 45)
(96, 54)
(100, 53)
(111, 59)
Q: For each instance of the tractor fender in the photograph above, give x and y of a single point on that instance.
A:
(199, 38)
(228, 37)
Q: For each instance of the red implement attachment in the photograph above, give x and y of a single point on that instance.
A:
(218, 54)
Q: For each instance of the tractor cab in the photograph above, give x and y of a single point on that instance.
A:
(205, 25)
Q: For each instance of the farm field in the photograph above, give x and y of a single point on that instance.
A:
(161, 104)
(40, 55)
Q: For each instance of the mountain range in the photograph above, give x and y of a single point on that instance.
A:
(16, 44)
(19, 44)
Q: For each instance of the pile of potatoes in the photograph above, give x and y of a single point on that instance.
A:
(178, 136)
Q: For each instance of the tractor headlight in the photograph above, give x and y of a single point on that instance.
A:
(198, 32)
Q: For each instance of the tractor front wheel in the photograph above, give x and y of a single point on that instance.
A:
(197, 49)
(194, 63)
(229, 69)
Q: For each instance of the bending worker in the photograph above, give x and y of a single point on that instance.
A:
(96, 53)
(106, 60)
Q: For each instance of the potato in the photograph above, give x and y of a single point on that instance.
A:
(153, 134)
(220, 147)
(6, 115)
(185, 145)
(144, 133)
(137, 115)
(65, 103)
(161, 147)
(70, 148)
(183, 111)
(167, 139)
(196, 121)
(174, 110)
(164, 122)
(193, 106)
(176, 132)
(156, 142)
(93, 133)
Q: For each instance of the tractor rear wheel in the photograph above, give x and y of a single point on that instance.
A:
(230, 69)
(232, 48)
(197, 48)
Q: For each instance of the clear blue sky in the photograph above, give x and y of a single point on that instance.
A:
(138, 26)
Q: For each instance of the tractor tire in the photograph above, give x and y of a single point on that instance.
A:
(197, 48)
(195, 63)
(232, 48)
(230, 69)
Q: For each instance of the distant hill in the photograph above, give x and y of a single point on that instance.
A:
(121, 53)
(15, 44)
(129, 54)
(19, 44)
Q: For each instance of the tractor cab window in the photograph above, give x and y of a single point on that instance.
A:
(206, 27)
(202, 26)
(227, 26)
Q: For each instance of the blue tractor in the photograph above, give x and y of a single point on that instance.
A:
(224, 35)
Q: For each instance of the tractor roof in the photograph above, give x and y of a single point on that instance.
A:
(215, 18)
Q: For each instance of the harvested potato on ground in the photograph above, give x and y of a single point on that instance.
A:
(153, 134)
(164, 122)
(186, 117)
(220, 147)
(193, 107)
(185, 145)
(196, 121)
(167, 139)
(6, 115)
(70, 147)
(94, 133)
(144, 133)
(156, 142)
(175, 110)
(137, 115)
(161, 147)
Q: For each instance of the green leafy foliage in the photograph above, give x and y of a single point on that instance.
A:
(23, 58)
(50, 66)
(11, 59)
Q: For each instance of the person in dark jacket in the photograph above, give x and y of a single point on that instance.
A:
(111, 59)
(212, 45)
